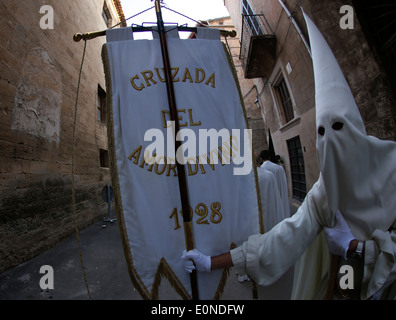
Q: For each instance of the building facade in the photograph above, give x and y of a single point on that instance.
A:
(247, 86)
(39, 69)
(275, 55)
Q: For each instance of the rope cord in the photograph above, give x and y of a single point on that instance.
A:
(197, 22)
(163, 6)
(116, 25)
(73, 172)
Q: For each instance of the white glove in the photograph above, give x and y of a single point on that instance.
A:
(339, 237)
(201, 262)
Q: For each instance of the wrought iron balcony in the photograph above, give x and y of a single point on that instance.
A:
(258, 46)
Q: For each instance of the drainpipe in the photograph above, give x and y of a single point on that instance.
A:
(296, 26)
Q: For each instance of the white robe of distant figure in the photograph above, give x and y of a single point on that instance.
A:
(280, 177)
(270, 199)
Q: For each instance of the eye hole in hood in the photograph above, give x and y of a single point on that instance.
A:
(337, 125)
(321, 131)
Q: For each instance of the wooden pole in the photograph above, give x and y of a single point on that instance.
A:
(181, 173)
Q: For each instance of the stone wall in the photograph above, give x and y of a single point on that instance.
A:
(39, 70)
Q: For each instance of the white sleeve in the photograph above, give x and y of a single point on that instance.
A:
(379, 262)
(266, 257)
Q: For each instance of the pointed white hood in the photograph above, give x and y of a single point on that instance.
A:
(358, 171)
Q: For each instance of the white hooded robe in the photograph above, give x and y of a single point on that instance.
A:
(357, 177)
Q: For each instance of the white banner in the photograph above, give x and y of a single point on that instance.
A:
(223, 196)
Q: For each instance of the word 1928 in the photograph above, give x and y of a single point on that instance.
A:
(202, 211)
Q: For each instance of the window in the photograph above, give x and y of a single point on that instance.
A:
(251, 19)
(101, 104)
(284, 98)
(105, 18)
(104, 158)
(106, 15)
(297, 168)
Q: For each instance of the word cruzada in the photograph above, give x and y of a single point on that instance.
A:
(148, 77)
